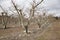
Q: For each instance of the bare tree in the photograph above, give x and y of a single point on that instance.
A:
(33, 9)
(21, 16)
(20, 13)
(4, 17)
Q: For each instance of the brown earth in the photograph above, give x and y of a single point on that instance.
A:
(52, 33)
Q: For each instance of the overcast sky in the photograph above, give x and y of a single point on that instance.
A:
(52, 6)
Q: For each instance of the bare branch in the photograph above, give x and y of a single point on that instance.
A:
(15, 6)
(39, 3)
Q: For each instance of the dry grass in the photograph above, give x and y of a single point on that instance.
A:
(10, 31)
(52, 33)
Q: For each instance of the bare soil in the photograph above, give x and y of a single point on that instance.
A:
(17, 33)
(52, 33)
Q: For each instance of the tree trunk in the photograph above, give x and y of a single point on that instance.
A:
(26, 28)
(5, 27)
(39, 25)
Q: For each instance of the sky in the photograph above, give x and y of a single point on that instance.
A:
(52, 6)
